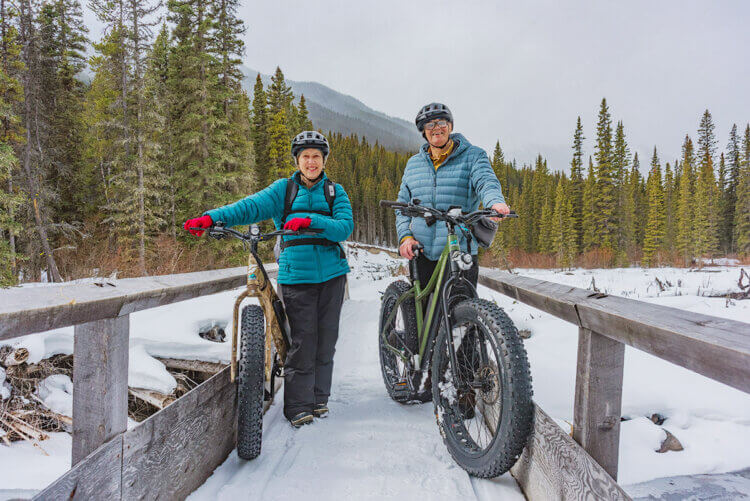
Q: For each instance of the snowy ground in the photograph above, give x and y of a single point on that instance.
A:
(373, 448)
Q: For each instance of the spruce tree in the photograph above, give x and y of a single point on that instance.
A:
(11, 136)
(733, 173)
(589, 209)
(706, 190)
(563, 238)
(640, 204)
(742, 208)
(620, 165)
(686, 202)
(279, 155)
(652, 240)
(670, 209)
(605, 194)
(303, 120)
(576, 184)
(259, 134)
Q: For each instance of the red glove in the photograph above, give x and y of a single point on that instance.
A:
(198, 222)
(298, 223)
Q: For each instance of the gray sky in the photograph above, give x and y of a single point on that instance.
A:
(522, 71)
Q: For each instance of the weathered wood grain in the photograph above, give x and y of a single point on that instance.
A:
(100, 383)
(172, 452)
(96, 477)
(554, 467)
(598, 398)
(715, 347)
(556, 299)
(712, 346)
(35, 309)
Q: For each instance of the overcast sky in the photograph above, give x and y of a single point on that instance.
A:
(522, 71)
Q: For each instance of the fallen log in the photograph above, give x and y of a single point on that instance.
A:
(192, 365)
(158, 400)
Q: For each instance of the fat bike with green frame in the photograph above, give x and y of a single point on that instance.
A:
(441, 342)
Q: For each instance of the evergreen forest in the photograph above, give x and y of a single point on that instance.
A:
(107, 146)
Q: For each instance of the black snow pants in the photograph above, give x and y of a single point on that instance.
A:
(313, 311)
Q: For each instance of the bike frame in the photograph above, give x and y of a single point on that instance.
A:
(426, 300)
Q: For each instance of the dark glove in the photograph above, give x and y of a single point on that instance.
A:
(298, 223)
(199, 222)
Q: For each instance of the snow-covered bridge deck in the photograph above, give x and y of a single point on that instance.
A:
(369, 446)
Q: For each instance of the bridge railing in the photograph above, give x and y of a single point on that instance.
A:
(714, 347)
(170, 453)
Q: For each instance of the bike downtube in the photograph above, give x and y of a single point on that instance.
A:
(435, 297)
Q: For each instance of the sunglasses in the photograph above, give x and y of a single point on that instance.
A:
(440, 123)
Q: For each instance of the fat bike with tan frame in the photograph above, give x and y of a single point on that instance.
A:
(441, 342)
(264, 338)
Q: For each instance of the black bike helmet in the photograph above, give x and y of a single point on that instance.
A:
(484, 231)
(310, 139)
(431, 112)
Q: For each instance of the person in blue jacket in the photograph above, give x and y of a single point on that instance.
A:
(447, 171)
(312, 273)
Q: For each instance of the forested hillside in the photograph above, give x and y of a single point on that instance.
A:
(98, 174)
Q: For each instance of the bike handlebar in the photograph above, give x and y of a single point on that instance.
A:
(415, 209)
(254, 233)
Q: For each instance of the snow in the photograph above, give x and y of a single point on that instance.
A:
(371, 447)
(4, 386)
(56, 392)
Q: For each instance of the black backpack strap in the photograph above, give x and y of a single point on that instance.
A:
(291, 193)
(329, 190)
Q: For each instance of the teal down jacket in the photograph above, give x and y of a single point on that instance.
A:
(465, 178)
(302, 264)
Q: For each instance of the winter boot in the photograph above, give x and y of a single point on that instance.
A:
(301, 419)
(320, 410)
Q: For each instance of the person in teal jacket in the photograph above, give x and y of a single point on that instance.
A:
(312, 274)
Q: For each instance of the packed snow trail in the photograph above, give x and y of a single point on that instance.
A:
(370, 447)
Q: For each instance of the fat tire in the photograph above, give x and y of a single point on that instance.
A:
(517, 406)
(408, 309)
(251, 369)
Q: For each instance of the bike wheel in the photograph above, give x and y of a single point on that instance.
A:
(402, 333)
(485, 417)
(250, 382)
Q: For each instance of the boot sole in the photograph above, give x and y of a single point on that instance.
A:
(302, 421)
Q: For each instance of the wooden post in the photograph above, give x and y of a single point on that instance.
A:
(598, 398)
(100, 383)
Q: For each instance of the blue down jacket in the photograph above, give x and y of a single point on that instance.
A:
(302, 264)
(465, 178)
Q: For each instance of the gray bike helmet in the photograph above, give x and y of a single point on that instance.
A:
(484, 231)
(310, 139)
(431, 112)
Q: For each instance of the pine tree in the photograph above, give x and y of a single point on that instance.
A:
(742, 208)
(620, 165)
(589, 209)
(733, 173)
(686, 202)
(670, 209)
(11, 136)
(706, 190)
(724, 224)
(655, 224)
(546, 221)
(303, 120)
(605, 194)
(563, 238)
(279, 156)
(259, 134)
(280, 96)
(576, 184)
(637, 192)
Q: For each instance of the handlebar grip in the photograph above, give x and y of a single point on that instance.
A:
(391, 203)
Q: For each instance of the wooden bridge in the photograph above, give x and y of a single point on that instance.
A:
(172, 452)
